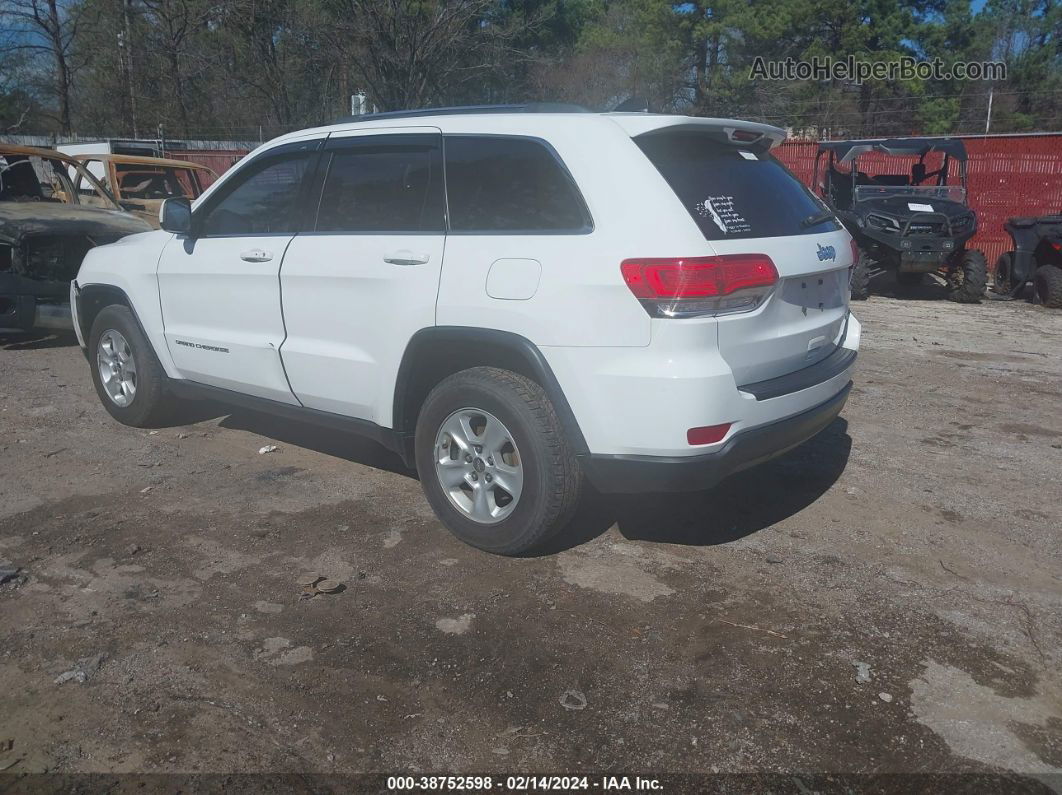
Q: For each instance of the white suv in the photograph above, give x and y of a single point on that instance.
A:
(514, 302)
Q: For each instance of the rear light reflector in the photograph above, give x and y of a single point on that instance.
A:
(709, 434)
(691, 286)
(855, 251)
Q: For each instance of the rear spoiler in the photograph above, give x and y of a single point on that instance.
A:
(748, 134)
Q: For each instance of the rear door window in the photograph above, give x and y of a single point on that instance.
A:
(382, 184)
(733, 193)
(498, 184)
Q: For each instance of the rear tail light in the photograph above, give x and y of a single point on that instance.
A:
(691, 286)
(855, 251)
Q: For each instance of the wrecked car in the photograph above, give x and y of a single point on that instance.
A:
(141, 184)
(46, 227)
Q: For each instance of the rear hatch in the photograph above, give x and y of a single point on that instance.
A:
(745, 202)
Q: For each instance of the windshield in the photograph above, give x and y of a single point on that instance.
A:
(32, 178)
(955, 193)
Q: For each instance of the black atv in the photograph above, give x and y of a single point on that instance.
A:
(912, 223)
(1037, 256)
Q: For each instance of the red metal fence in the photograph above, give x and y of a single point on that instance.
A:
(1008, 175)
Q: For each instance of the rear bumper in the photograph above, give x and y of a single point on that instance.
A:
(631, 474)
(640, 402)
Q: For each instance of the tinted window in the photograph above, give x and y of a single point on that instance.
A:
(509, 185)
(264, 201)
(733, 193)
(381, 188)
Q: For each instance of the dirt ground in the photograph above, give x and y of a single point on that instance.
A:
(886, 598)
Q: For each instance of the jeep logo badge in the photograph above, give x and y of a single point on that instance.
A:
(827, 253)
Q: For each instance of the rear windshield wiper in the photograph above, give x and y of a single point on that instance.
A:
(817, 218)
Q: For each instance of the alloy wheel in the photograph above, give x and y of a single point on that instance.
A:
(117, 368)
(478, 465)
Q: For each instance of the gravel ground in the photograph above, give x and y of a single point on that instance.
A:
(886, 598)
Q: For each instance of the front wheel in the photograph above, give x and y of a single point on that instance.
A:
(128, 377)
(968, 278)
(860, 280)
(494, 460)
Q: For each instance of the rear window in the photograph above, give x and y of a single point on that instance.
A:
(499, 184)
(733, 193)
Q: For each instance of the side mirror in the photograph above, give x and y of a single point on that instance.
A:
(175, 215)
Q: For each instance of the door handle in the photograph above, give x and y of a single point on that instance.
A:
(256, 255)
(406, 257)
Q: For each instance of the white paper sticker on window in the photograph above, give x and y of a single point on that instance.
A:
(919, 208)
(747, 155)
(721, 210)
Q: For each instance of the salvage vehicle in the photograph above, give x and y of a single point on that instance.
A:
(912, 223)
(1037, 257)
(141, 184)
(512, 301)
(45, 229)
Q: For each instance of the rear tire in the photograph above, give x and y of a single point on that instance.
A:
(1048, 283)
(968, 278)
(538, 457)
(860, 282)
(134, 392)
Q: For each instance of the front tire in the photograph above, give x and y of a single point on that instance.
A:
(494, 460)
(860, 281)
(1048, 283)
(968, 278)
(127, 375)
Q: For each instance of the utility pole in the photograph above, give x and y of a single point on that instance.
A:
(125, 41)
(988, 117)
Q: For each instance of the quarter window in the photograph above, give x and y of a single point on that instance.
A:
(382, 188)
(499, 184)
(264, 202)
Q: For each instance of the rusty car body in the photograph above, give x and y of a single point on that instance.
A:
(140, 184)
(45, 229)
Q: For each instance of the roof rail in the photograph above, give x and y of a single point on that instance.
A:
(528, 107)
